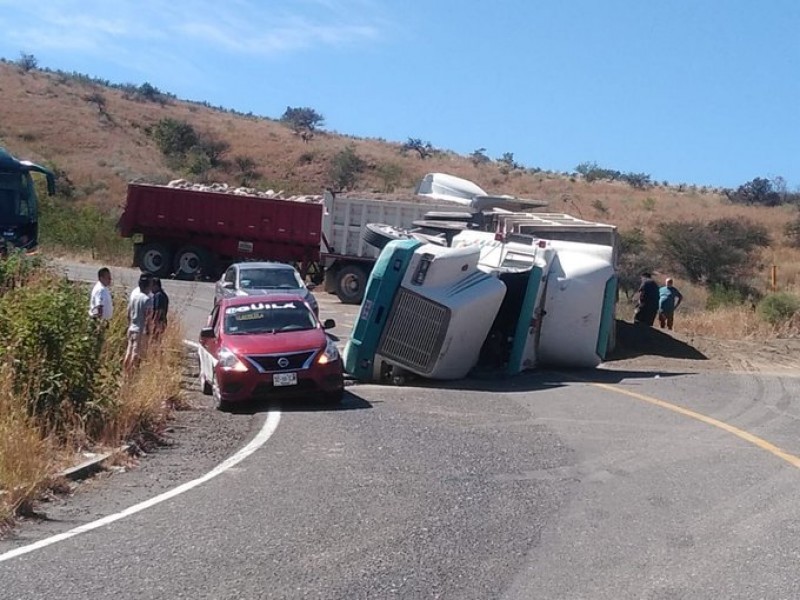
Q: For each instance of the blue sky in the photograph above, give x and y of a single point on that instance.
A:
(688, 91)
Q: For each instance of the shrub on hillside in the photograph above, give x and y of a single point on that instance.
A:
(346, 168)
(174, 137)
(792, 232)
(723, 251)
(779, 308)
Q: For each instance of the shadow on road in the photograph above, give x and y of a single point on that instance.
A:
(637, 340)
(351, 401)
(533, 381)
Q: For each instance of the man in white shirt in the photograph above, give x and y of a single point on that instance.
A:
(100, 303)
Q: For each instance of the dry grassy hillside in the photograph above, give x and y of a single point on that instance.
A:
(51, 118)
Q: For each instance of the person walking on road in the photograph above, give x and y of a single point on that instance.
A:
(669, 299)
(101, 305)
(160, 308)
(140, 314)
(646, 301)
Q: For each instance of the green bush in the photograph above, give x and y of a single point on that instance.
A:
(778, 308)
(720, 295)
(64, 224)
(66, 365)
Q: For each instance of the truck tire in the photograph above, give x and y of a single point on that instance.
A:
(191, 262)
(156, 259)
(351, 281)
(378, 234)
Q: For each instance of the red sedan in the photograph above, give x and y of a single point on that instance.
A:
(258, 347)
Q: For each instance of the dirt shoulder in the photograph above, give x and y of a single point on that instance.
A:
(652, 349)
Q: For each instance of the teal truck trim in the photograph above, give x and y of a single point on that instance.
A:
(382, 286)
(525, 322)
(607, 320)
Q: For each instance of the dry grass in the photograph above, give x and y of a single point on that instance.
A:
(29, 458)
(150, 393)
(27, 455)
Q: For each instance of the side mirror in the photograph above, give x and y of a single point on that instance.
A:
(329, 324)
(228, 285)
(207, 333)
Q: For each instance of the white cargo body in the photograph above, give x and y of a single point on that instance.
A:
(347, 259)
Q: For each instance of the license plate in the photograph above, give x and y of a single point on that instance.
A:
(284, 379)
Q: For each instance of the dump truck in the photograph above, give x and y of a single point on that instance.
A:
(19, 203)
(191, 231)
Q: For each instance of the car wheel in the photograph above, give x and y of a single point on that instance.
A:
(351, 281)
(156, 259)
(378, 234)
(191, 262)
(222, 405)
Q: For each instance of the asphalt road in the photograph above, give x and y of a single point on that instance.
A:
(593, 485)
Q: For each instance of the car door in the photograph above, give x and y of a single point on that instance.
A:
(208, 350)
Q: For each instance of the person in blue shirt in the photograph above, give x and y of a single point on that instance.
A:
(669, 299)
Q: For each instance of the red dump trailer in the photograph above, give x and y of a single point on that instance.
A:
(191, 233)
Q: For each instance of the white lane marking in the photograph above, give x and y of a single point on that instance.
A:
(259, 440)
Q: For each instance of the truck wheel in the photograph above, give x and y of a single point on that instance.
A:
(155, 258)
(378, 234)
(351, 281)
(191, 262)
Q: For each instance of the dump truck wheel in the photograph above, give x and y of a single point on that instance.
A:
(351, 281)
(378, 234)
(156, 259)
(191, 262)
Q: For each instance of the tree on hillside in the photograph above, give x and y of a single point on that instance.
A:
(27, 62)
(302, 119)
(759, 191)
(507, 163)
(479, 157)
(423, 149)
(635, 256)
(720, 252)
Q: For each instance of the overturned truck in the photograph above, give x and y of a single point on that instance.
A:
(443, 306)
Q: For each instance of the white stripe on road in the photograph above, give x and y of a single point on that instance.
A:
(259, 440)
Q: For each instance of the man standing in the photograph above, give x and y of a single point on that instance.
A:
(669, 299)
(101, 306)
(140, 313)
(160, 308)
(647, 301)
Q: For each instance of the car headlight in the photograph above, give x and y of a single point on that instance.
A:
(228, 361)
(330, 354)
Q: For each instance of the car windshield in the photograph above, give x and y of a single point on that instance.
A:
(268, 317)
(287, 279)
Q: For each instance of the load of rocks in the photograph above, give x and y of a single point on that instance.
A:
(241, 191)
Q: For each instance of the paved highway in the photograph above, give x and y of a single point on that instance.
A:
(593, 485)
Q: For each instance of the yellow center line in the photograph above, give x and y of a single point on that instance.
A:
(740, 433)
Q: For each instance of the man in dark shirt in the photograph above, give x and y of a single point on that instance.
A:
(647, 301)
(160, 308)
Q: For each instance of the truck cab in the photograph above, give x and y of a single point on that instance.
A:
(19, 206)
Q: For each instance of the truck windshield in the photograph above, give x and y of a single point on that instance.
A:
(268, 317)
